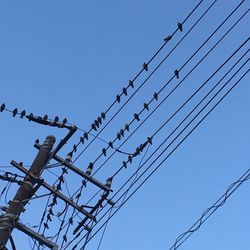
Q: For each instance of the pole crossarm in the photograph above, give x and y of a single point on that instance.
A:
(42, 240)
(78, 171)
(53, 190)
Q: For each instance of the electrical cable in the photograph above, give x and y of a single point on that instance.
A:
(240, 47)
(189, 133)
(140, 86)
(211, 210)
(189, 59)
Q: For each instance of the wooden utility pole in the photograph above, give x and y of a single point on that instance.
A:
(25, 192)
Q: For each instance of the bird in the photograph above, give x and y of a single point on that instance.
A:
(167, 39)
(176, 72)
(99, 119)
(131, 84)
(118, 98)
(103, 116)
(23, 113)
(56, 119)
(156, 96)
(86, 136)
(145, 105)
(118, 135)
(145, 66)
(136, 116)
(14, 112)
(89, 168)
(127, 127)
(93, 126)
(2, 108)
(180, 27)
(104, 151)
(124, 91)
(122, 132)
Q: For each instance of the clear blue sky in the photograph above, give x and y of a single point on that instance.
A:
(71, 58)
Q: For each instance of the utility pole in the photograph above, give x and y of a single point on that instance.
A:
(25, 192)
(33, 181)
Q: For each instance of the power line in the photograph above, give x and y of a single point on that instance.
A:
(193, 129)
(131, 84)
(231, 57)
(211, 210)
(178, 85)
(170, 80)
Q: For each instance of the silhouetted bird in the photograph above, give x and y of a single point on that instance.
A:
(2, 108)
(145, 66)
(180, 27)
(167, 39)
(176, 72)
(14, 112)
(136, 116)
(23, 113)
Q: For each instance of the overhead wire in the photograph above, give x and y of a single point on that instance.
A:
(167, 83)
(129, 85)
(211, 210)
(224, 96)
(206, 12)
(171, 152)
